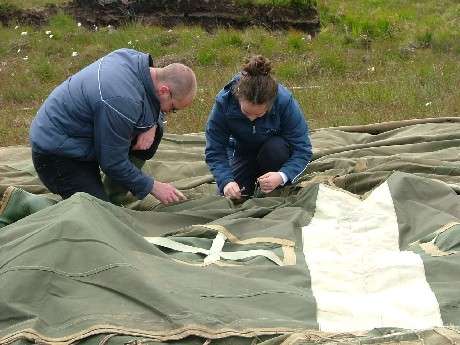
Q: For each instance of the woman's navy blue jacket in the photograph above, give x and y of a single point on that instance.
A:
(96, 113)
(228, 127)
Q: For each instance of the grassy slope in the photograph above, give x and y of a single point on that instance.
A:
(374, 61)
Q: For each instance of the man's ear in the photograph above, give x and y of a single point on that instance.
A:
(163, 89)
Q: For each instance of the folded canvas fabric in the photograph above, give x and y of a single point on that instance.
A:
(365, 249)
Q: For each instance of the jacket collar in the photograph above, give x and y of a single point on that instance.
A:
(145, 62)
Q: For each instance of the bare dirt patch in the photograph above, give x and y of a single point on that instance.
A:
(210, 14)
(36, 17)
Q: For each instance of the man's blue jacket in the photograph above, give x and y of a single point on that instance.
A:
(228, 127)
(96, 113)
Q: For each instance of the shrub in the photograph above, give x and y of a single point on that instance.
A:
(296, 42)
(228, 38)
(206, 56)
(44, 70)
(332, 63)
(7, 8)
(425, 39)
(289, 70)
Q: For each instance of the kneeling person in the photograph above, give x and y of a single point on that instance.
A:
(109, 117)
(256, 133)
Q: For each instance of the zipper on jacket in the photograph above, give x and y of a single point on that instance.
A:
(254, 128)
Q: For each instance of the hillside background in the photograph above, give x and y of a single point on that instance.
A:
(373, 61)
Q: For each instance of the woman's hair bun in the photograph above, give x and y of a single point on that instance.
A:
(257, 65)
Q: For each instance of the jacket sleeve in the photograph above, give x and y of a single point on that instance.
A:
(112, 140)
(294, 129)
(217, 136)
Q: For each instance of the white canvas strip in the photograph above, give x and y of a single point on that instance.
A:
(360, 278)
(237, 255)
(178, 247)
(216, 249)
(240, 255)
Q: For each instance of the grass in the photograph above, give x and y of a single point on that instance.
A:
(300, 4)
(26, 4)
(373, 61)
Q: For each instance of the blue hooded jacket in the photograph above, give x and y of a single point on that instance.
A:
(228, 127)
(96, 113)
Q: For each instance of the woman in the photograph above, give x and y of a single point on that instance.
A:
(256, 133)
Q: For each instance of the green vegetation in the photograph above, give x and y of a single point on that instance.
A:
(300, 4)
(25, 4)
(7, 7)
(374, 60)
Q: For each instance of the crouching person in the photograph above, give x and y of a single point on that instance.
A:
(109, 116)
(256, 134)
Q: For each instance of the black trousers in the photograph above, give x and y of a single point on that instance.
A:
(66, 176)
(247, 167)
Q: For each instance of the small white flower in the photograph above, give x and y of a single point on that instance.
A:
(51, 36)
(25, 58)
(303, 38)
(371, 69)
(197, 36)
(137, 40)
(109, 26)
(16, 27)
(74, 54)
(427, 104)
(78, 24)
(19, 50)
(24, 33)
(170, 30)
(48, 32)
(130, 42)
(95, 28)
(309, 37)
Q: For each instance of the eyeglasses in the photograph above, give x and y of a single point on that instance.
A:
(173, 109)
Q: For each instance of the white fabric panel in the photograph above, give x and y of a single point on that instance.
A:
(360, 278)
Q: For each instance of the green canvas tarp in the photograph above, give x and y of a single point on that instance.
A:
(365, 249)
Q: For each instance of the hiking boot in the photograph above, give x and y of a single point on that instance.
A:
(118, 195)
(17, 204)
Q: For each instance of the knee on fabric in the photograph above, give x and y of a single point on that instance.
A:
(273, 154)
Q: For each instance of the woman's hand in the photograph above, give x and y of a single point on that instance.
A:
(270, 181)
(232, 190)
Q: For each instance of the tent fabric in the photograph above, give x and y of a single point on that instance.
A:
(354, 158)
(365, 249)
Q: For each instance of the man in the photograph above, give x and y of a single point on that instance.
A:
(109, 117)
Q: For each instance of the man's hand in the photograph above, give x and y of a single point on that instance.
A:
(232, 190)
(270, 181)
(166, 193)
(145, 139)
